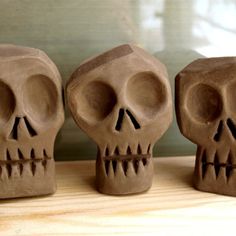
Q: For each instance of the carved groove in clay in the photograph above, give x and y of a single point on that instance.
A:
(7, 102)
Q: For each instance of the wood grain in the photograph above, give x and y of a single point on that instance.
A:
(170, 207)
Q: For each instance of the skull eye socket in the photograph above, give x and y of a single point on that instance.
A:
(7, 102)
(231, 96)
(96, 101)
(40, 97)
(146, 93)
(204, 103)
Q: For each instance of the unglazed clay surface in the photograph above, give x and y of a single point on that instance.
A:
(31, 113)
(206, 114)
(122, 100)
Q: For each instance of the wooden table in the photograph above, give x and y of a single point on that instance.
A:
(170, 207)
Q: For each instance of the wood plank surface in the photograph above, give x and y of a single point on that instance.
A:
(170, 207)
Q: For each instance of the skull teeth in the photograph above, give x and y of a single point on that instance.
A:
(20, 155)
(139, 149)
(17, 170)
(125, 167)
(216, 169)
(17, 164)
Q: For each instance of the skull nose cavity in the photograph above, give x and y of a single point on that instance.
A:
(231, 126)
(134, 121)
(121, 117)
(219, 132)
(15, 129)
(30, 129)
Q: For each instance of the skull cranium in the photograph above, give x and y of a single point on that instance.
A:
(31, 113)
(206, 114)
(122, 100)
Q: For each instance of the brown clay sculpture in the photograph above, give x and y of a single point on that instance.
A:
(206, 114)
(31, 113)
(122, 100)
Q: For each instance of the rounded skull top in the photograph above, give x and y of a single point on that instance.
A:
(122, 100)
(206, 114)
(31, 114)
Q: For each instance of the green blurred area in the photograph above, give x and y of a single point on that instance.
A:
(69, 31)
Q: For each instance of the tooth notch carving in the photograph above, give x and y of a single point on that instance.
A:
(9, 170)
(45, 153)
(21, 167)
(216, 165)
(107, 151)
(44, 163)
(33, 167)
(129, 152)
(32, 154)
(107, 163)
(20, 155)
(116, 152)
(144, 160)
(136, 164)
(139, 149)
(8, 156)
(114, 164)
(229, 166)
(125, 166)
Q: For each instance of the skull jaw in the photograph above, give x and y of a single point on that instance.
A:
(120, 180)
(27, 183)
(219, 178)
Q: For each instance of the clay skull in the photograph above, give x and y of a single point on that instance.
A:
(122, 100)
(31, 113)
(206, 114)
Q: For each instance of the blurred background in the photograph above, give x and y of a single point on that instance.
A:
(69, 31)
